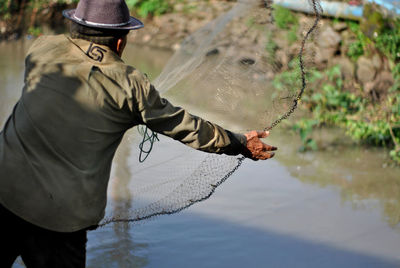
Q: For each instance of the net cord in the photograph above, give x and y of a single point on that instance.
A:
(150, 137)
(317, 11)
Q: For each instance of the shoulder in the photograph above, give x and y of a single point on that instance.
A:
(45, 42)
(128, 76)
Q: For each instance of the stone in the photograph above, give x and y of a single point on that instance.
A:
(340, 26)
(365, 70)
(347, 67)
(323, 55)
(146, 38)
(383, 82)
(328, 38)
(176, 46)
(282, 58)
(247, 61)
(377, 61)
(380, 86)
(214, 51)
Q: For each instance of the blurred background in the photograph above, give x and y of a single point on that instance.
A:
(331, 195)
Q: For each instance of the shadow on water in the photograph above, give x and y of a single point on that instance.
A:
(206, 242)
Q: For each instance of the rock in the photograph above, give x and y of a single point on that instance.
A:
(383, 83)
(282, 58)
(340, 26)
(179, 7)
(380, 86)
(365, 70)
(346, 67)
(247, 61)
(323, 55)
(146, 38)
(176, 46)
(369, 86)
(280, 39)
(328, 38)
(377, 61)
(211, 52)
(327, 46)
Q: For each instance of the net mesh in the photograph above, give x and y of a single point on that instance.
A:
(226, 68)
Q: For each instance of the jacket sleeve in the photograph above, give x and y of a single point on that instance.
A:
(161, 116)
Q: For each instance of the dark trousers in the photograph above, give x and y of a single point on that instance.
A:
(39, 247)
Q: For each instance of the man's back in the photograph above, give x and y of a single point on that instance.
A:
(63, 134)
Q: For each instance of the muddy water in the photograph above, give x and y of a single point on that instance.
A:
(339, 207)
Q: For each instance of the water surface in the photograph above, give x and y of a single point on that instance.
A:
(339, 207)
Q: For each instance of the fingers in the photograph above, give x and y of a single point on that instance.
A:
(267, 155)
(258, 150)
(267, 147)
(263, 156)
(259, 134)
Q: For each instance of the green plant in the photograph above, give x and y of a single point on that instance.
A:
(359, 46)
(271, 45)
(250, 22)
(284, 17)
(395, 155)
(6, 8)
(305, 127)
(149, 7)
(292, 34)
(331, 104)
(35, 31)
(388, 40)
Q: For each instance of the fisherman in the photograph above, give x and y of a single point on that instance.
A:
(57, 146)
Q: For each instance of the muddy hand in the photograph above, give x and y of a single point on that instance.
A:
(257, 150)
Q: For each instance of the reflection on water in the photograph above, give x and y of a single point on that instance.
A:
(360, 173)
(11, 75)
(114, 245)
(336, 208)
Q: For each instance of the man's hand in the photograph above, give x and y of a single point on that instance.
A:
(257, 150)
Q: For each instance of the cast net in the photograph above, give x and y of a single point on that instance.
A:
(227, 73)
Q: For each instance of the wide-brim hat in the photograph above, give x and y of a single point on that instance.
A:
(103, 14)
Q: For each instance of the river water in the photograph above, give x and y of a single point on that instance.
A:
(339, 207)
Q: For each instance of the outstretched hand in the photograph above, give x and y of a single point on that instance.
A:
(258, 150)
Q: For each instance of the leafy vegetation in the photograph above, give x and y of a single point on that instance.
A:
(34, 31)
(386, 40)
(332, 105)
(149, 7)
(359, 46)
(271, 46)
(284, 18)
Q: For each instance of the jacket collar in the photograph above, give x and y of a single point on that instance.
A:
(95, 53)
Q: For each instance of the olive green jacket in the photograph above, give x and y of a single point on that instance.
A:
(57, 146)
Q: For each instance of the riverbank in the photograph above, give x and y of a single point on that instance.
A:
(353, 81)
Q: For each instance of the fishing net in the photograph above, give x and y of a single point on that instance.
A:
(225, 72)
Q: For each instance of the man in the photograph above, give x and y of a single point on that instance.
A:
(57, 146)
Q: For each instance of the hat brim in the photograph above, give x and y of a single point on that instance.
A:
(133, 23)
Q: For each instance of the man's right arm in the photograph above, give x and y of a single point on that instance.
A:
(163, 117)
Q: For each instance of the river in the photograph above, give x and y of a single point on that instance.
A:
(338, 207)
